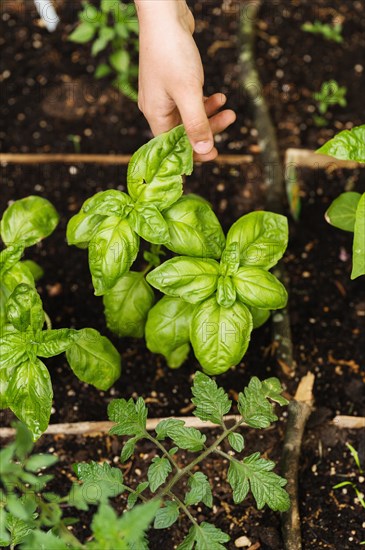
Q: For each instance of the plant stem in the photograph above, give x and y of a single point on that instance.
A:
(48, 321)
(164, 451)
(209, 450)
(183, 507)
(143, 498)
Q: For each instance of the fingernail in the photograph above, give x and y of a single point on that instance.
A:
(203, 147)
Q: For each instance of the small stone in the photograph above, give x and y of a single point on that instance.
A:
(242, 542)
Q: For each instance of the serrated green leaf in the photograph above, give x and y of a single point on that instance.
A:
(255, 408)
(347, 145)
(83, 33)
(342, 212)
(209, 537)
(128, 449)
(255, 473)
(39, 540)
(18, 529)
(130, 417)
(185, 438)
(38, 461)
(99, 481)
(200, 490)
(271, 388)
(162, 429)
(211, 402)
(236, 441)
(158, 472)
(166, 516)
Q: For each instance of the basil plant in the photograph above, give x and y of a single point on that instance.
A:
(25, 383)
(347, 212)
(217, 288)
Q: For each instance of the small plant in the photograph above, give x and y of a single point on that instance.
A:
(114, 27)
(359, 494)
(347, 212)
(217, 289)
(25, 383)
(331, 93)
(169, 490)
(328, 32)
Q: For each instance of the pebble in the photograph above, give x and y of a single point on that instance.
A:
(242, 542)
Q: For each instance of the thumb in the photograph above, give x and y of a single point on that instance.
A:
(195, 120)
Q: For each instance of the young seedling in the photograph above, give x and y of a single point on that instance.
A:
(328, 32)
(113, 27)
(28, 512)
(347, 212)
(217, 290)
(330, 94)
(359, 494)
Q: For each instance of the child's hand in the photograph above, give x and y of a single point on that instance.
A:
(171, 77)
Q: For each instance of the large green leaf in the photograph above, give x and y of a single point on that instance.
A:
(258, 288)
(168, 328)
(54, 342)
(199, 490)
(10, 256)
(30, 395)
(28, 220)
(358, 251)
(147, 221)
(94, 359)
(342, 212)
(127, 304)
(219, 335)
(254, 405)
(166, 516)
(347, 145)
(82, 227)
(226, 291)
(192, 279)
(262, 238)
(130, 417)
(194, 228)
(155, 170)
(158, 472)
(112, 250)
(99, 481)
(108, 203)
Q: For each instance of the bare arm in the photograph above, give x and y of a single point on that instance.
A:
(171, 76)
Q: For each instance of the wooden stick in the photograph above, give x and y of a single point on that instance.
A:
(305, 158)
(299, 411)
(65, 158)
(99, 428)
(349, 422)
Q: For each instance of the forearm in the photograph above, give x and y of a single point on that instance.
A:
(161, 10)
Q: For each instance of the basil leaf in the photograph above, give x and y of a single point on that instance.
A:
(28, 220)
(167, 330)
(109, 203)
(194, 228)
(347, 145)
(191, 279)
(147, 221)
(262, 238)
(54, 342)
(112, 251)
(358, 251)
(258, 288)
(30, 395)
(219, 335)
(13, 353)
(94, 359)
(342, 211)
(226, 292)
(155, 170)
(81, 228)
(230, 261)
(127, 304)
(36, 270)
(10, 256)
(24, 308)
(259, 316)
(18, 273)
